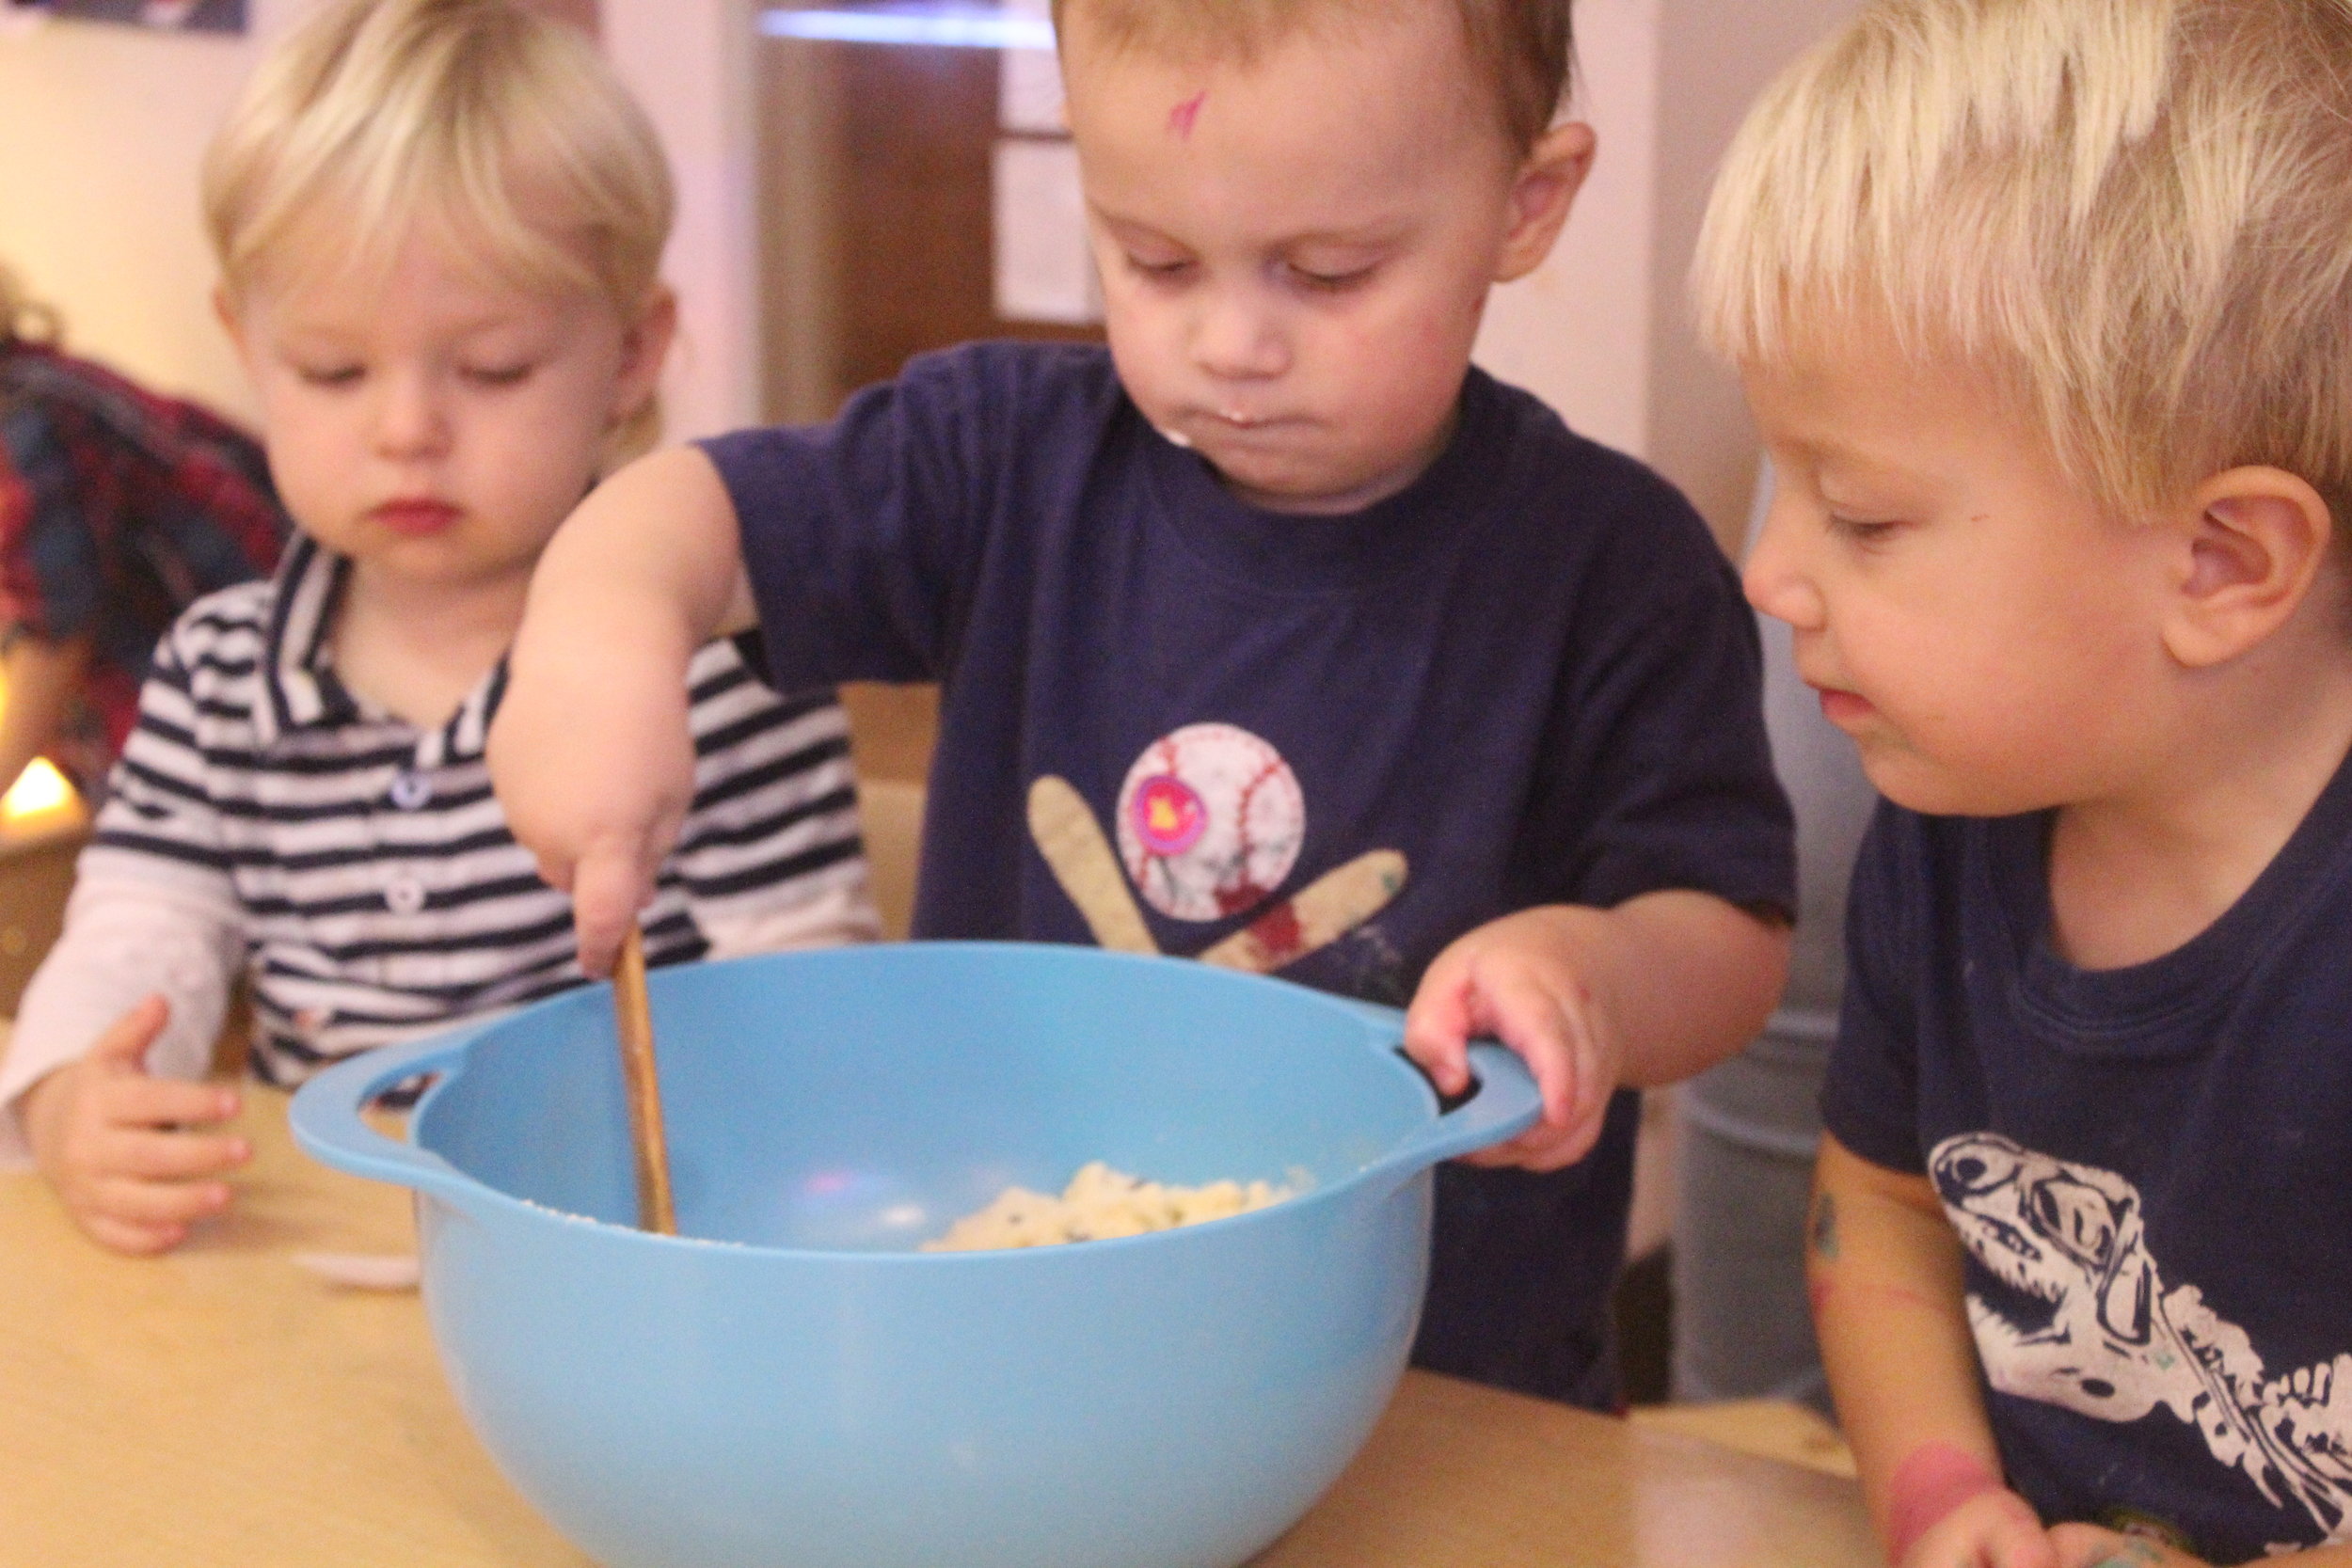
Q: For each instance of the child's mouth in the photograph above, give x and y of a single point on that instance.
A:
(1843, 707)
(415, 518)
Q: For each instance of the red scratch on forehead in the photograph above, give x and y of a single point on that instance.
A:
(1180, 118)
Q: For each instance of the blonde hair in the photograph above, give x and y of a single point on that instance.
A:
(1522, 49)
(2134, 216)
(23, 318)
(506, 128)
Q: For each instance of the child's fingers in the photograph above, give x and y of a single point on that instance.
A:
(1544, 1147)
(1438, 1027)
(139, 1102)
(1527, 1017)
(608, 890)
(151, 1155)
(138, 1241)
(125, 1041)
(154, 1205)
(1993, 1529)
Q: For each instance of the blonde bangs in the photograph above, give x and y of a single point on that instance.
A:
(501, 131)
(2133, 215)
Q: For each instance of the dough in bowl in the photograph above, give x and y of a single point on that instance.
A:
(1098, 1204)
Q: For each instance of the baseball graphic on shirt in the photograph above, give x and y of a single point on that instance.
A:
(1210, 821)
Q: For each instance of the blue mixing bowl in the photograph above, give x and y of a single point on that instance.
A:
(790, 1383)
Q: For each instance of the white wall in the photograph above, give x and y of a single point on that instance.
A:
(102, 130)
(100, 133)
(1710, 65)
(689, 63)
(1576, 331)
(1602, 331)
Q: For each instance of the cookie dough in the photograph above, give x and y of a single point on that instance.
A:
(1099, 1203)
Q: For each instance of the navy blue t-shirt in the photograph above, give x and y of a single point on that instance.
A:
(1333, 744)
(2150, 1168)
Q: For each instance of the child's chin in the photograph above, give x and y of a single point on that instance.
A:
(1300, 489)
(1926, 789)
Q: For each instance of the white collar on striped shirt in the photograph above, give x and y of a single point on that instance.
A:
(300, 677)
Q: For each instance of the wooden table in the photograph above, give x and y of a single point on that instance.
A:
(222, 1406)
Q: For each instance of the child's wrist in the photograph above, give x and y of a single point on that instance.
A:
(1933, 1481)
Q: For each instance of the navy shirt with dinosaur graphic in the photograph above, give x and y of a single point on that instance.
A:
(2150, 1168)
(1331, 744)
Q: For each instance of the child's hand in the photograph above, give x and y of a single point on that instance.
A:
(1995, 1528)
(1518, 979)
(594, 767)
(2088, 1547)
(590, 753)
(117, 1146)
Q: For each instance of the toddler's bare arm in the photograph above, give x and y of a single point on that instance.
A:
(1883, 1270)
(590, 753)
(1659, 988)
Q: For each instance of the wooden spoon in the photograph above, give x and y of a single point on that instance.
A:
(634, 1014)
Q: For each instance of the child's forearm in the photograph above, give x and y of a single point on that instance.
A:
(1883, 1270)
(655, 551)
(591, 753)
(1684, 979)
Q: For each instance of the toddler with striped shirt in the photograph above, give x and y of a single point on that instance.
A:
(439, 225)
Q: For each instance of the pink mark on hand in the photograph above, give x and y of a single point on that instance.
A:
(1180, 118)
(1934, 1480)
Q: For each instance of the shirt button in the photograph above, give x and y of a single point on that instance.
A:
(411, 790)
(404, 895)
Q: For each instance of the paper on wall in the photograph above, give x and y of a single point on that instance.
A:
(1044, 272)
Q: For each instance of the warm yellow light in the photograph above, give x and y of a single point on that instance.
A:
(38, 789)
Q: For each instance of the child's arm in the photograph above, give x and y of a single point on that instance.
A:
(590, 750)
(123, 1007)
(1660, 987)
(1883, 1269)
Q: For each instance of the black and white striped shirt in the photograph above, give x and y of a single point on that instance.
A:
(360, 870)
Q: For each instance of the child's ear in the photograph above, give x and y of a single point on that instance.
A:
(1541, 194)
(2256, 540)
(644, 347)
(225, 310)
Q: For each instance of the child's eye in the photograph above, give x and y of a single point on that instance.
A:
(330, 375)
(1162, 272)
(1331, 282)
(1864, 532)
(497, 376)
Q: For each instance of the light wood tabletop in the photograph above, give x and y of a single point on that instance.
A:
(223, 1407)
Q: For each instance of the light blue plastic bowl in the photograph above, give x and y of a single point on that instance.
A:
(790, 1384)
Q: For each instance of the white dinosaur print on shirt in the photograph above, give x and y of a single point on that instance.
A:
(2117, 1342)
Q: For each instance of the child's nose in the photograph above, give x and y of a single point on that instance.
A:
(409, 418)
(1774, 579)
(1236, 338)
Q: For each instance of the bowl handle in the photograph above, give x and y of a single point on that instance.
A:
(1502, 1102)
(1504, 1105)
(328, 1127)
